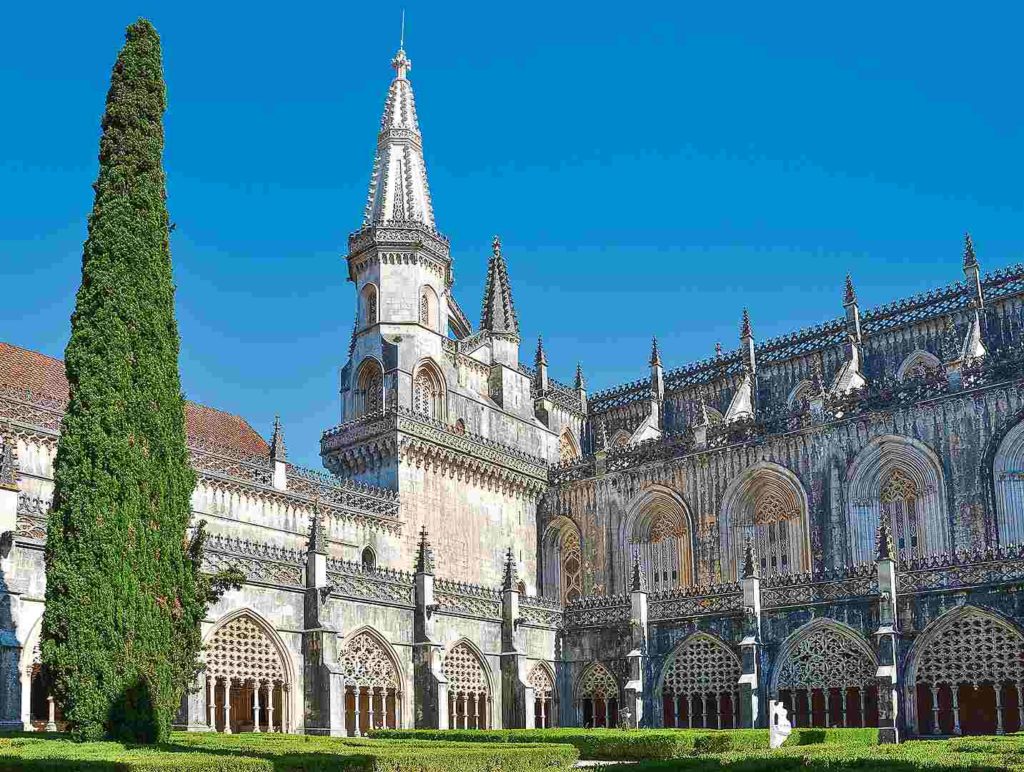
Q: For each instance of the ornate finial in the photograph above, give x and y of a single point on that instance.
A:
(496, 245)
(970, 261)
(401, 63)
(850, 295)
(8, 459)
(885, 549)
(541, 358)
(745, 330)
(749, 560)
(278, 452)
(511, 581)
(655, 354)
(424, 555)
(401, 37)
(499, 310)
(718, 350)
(580, 383)
(317, 532)
(638, 579)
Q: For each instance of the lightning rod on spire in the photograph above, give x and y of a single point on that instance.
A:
(401, 38)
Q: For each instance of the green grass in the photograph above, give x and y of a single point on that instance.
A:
(207, 752)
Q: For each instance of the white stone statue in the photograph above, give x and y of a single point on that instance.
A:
(779, 727)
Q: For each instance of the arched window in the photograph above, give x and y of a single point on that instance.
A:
(660, 530)
(369, 305)
(369, 388)
(460, 427)
(428, 308)
(428, 392)
(825, 677)
(918, 366)
(1008, 477)
(568, 449)
(369, 559)
(620, 439)
(572, 565)
(800, 397)
(967, 670)
(597, 698)
(469, 691)
(372, 698)
(700, 685)
(766, 504)
(246, 678)
(900, 480)
(543, 696)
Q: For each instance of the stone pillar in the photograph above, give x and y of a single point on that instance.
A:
(631, 712)
(430, 689)
(886, 637)
(193, 715)
(750, 713)
(10, 601)
(517, 696)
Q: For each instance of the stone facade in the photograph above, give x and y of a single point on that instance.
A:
(831, 519)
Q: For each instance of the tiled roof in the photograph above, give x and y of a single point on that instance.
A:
(44, 376)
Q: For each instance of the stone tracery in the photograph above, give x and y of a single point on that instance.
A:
(597, 697)
(543, 696)
(372, 685)
(469, 691)
(700, 683)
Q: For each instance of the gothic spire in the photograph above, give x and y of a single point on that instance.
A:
(398, 183)
(749, 560)
(850, 295)
(424, 554)
(655, 354)
(638, 579)
(745, 329)
(580, 383)
(885, 549)
(317, 532)
(511, 579)
(540, 358)
(278, 452)
(970, 261)
(499, 312)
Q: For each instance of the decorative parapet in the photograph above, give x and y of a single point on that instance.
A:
(31, 408)
(571, 470)
(961, 570)
(377, 585)
(471, 600)
(31, 518)
(784, 590)
(704, 371)
(261, 563)
(707, 600)
(564, 396)
(348, 495)
(619, 396)
(536, 611)
(598, 611)
(659, 449)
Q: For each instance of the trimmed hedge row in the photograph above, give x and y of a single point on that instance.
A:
(270, 753)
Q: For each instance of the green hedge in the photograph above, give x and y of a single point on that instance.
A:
(274, 753)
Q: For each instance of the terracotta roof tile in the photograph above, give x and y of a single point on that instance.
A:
(44, 375)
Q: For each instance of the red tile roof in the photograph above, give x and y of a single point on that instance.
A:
(44, 376)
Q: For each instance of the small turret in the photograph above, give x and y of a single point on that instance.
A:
(279, 456)
(499, 311)
(747, 342)
(424, 554)
(852, 311)
(510, 582)
(657, 372)
(972, 272)
(540, 363)
(581, 387)
(316, 549)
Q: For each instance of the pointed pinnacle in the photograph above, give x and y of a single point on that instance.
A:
(541, 358)
(885, 549)
(655, 354)
(278, 452)
(850, 295)
(745, 329)
(749, 560)
(638, 579)
(718, 350)
(970, 260)
(496, 245)
(424, 554)
(580, 383)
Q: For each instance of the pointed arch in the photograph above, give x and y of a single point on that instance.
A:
(369, 387)
(542, 678)
(562, 560)
(597, 697)
(659, 525)
(429, 394)
(568, 447)
(825, 674)
(369, 301)
(699, 684)
(767, 503)
(619, 439)
(368, 558)
(901, 479)
(800, 394)
(372, 680)
(428, 311)
(35, 699)
(470, 686)
(965, 674)
(249, 674)
(917, 365)
(1008, 482)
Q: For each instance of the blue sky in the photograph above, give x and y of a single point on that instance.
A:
(651, 168)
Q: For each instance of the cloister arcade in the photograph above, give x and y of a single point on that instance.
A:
(700, 685)
(597, 698)
(469, 687)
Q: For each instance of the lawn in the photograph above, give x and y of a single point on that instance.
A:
(517, 751)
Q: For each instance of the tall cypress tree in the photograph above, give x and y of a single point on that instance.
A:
(124, 596)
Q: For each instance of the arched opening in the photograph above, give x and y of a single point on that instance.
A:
(572, 566)
(700, 685)
(369, 388)
(659, 528)
(469, 688)
(543, 684)
(368, 559)
(568, 448)
(562, 561)
(1008, 477)
(428, 393)
(825, 677)
(800, 396)
(247, 682)
(428, 308)
(597, 698)
(368, 305)
(373, 686)
(899, 480)
(766, 504)
(967, 672)
(460, 427)
(620, 439)
(918, 366)
(41, 713)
